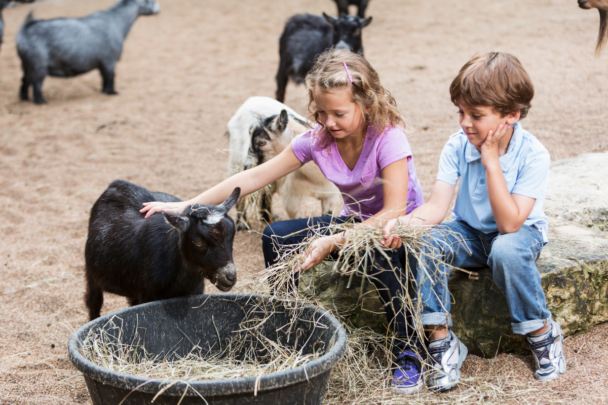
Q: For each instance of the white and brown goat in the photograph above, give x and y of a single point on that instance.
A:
(269, 139)
(272, 125)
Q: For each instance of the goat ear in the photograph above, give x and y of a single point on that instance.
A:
(330, 19)
(365, 21)
(231, 201)
(179, 222)
(282, 121)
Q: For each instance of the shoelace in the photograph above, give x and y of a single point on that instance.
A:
(437, 352)
(540, 348)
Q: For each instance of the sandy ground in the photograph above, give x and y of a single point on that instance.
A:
(182, 75)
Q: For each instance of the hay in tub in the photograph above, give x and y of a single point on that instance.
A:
(240, 356)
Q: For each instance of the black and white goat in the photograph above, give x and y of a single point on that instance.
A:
(67, 47)
(164, 256)
(306, 36)
(259, 130)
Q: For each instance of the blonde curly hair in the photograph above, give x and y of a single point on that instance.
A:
(328, 73)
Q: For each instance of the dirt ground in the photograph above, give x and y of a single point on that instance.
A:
(182, 75)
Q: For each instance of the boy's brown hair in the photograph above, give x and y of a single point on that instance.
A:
(496, 80)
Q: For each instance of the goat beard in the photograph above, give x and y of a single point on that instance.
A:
(602, 36)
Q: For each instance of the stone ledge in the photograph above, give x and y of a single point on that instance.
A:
(578, 190)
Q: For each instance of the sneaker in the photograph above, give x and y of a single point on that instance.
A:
(407, 377)
(447, 355)
(548, 350)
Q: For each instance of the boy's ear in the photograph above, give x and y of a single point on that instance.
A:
(513, 117)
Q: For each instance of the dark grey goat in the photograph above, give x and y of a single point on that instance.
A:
(343, 6)
(3, 4)
(164, 256)
(66, 47)
(306, 36)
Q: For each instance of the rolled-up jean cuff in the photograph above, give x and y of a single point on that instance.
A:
(436, 318)
(523, 328)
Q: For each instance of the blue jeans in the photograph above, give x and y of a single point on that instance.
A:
(512, 260)
(388, 274)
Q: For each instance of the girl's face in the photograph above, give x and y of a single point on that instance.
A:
(338, 112)
(478, 121)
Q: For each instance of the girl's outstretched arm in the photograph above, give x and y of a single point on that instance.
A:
(248, 180)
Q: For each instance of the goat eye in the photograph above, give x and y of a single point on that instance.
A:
(357, 33)
(261, 143)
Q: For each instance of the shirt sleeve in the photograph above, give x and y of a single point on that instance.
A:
(392, 146)
(533, 178)
(302, 146)
(449, 162)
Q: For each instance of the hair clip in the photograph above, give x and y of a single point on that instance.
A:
(348, 73)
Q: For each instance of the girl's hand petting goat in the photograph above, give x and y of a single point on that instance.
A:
(170, 207)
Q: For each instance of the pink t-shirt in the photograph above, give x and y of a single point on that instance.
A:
(361, 187)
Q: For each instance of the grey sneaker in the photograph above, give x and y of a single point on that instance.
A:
(548, 350)
(447, 355)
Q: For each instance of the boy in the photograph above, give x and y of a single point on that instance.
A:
(498, 215)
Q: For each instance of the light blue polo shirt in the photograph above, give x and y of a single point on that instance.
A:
(525, 167)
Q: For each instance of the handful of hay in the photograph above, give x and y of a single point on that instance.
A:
(355, 256)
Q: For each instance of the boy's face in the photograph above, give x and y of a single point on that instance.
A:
(477, 121)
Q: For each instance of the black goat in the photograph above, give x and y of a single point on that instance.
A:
(3, 4)
(306, 36)
(67, 47)
(343, 6)
(164, 256)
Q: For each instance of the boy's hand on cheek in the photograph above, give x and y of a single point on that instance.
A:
(489, 147)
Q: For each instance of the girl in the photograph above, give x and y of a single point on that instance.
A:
(359, 146)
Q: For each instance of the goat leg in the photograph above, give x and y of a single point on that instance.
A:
(362, 7)
(107, 74)
(23, 92)
(38, 99)
(282, 79)
(266, 208)
(93, 297)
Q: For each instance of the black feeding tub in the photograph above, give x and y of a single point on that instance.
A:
(175, 326)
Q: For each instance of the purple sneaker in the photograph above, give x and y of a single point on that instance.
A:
(407, 377)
